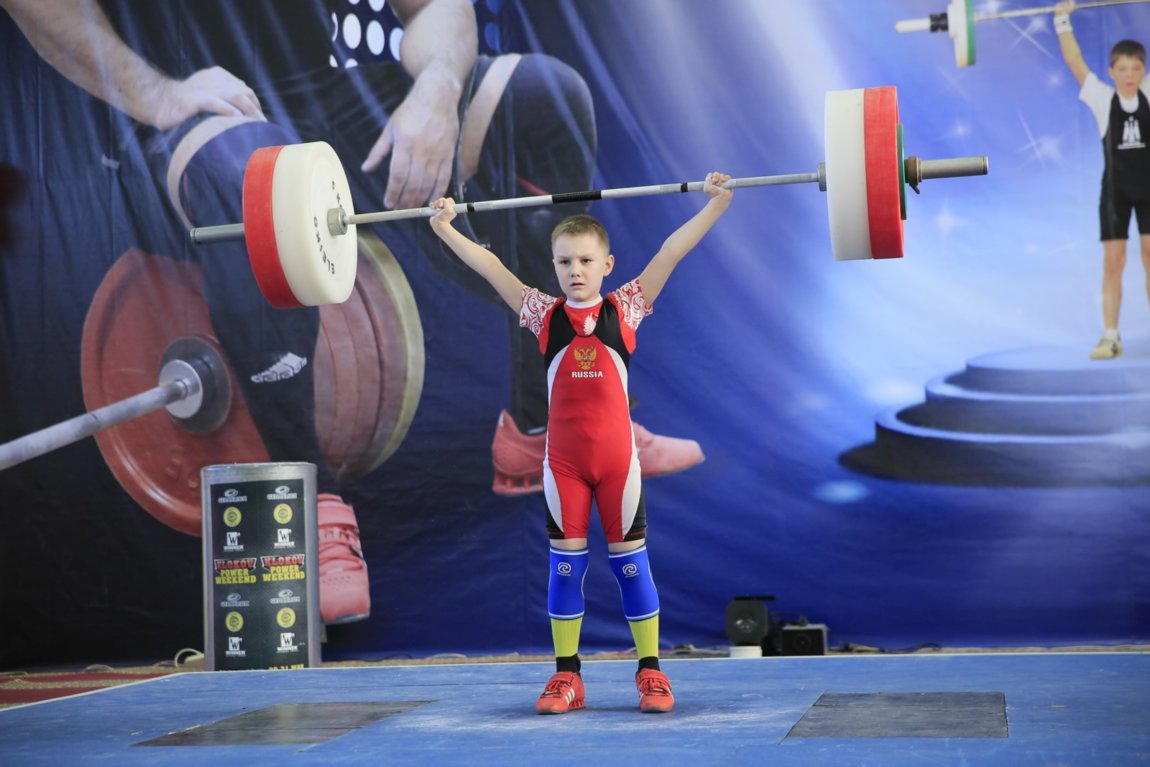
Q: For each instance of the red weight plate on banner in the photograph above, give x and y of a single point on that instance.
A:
(368, 377)
(884, 210)
(390, 306)
(145, 303)
(260, 229)
(383, 350)
(346, 390)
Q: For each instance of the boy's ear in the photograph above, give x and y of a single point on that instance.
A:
(610, 264)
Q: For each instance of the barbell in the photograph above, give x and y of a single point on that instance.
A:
(192, 385)
(959, 18)
(299, 222)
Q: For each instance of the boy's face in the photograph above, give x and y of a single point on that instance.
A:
(1127, 73)
(581, 263)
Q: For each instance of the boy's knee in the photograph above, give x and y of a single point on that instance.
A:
(636, 586)
(565, 588)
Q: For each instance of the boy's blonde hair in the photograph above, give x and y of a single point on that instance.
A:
(1131, 48)
(581, 224)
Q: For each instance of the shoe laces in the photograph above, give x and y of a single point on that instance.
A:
(339, 542)
(332, 537)
(557, 687)
(651, 684)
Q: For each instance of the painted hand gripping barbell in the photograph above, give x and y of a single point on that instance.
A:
(299, 224)
(959, 18)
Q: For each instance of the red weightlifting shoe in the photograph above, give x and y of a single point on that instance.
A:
(518, 457)
(344, 595)
(654, 691)
(564, 692)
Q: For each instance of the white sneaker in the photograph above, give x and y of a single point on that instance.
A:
(1107, 349)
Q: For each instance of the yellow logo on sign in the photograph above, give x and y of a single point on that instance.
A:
(232, 516)
(282, 513)
(234, 621)
(286, 618)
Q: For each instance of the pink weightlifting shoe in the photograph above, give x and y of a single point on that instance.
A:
(344, 595)
(659, 455)
(518, 457)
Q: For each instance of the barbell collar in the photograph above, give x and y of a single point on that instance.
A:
(204, 234)
(206, 407)
(936, 22)
(955, 167)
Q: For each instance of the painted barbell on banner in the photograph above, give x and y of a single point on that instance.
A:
(959, 18)
(299, 223)
(160, 393)
(192, 385)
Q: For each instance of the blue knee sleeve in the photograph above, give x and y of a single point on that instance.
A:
(565, 589)
(633, 571)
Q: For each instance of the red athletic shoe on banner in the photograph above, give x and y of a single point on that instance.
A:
(518, 457)
(344, 594)
(659, 455)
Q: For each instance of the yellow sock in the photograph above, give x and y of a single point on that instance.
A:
(565, 635)
(646, 634)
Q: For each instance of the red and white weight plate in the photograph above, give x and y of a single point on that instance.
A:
(288, 191)
(862, 173)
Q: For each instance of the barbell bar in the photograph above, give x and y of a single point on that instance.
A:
(960, 17)
(299, 221)
(192, 385)
(338, 219)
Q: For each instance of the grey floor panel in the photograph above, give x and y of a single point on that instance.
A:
(1060, 709)
(905, 715)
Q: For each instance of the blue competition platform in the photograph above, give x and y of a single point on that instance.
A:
(1081, 709)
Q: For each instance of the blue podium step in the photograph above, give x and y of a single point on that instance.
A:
(1044, 416)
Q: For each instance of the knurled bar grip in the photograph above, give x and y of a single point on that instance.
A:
(588, 196)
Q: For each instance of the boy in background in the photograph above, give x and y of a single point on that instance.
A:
(1123, 116)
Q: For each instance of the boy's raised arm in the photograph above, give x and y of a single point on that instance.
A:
(1071, 53)
(686, 237)
(482, 260)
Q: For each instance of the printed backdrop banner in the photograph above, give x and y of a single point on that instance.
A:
(912, 452)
